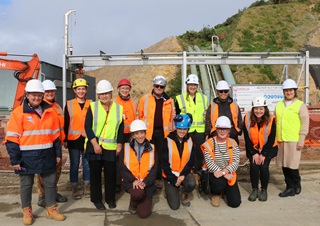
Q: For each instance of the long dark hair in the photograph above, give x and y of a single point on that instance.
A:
(265, 119)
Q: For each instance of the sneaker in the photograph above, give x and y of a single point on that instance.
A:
(263, 196)
(132, 210)
(42, 202)
(254, 195)
(60, 198)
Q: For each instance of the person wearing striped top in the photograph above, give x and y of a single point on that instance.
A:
(222, 157)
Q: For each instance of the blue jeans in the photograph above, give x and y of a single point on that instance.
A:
(74, 155)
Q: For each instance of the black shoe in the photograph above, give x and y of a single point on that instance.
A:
(99, 206)
(42, 202)
(297, 189)
(112, 205)
(287, 192)
(60, 198)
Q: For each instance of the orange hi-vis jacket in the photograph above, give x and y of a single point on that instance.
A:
(215, 115)
(139, 170)
(129, 112)
(178, 163)
(32, 132)
(146, 111)
(59, 112)
(258, 137)
(209, 147)
(77, 119)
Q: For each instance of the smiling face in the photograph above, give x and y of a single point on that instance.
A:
(182, 133)
(222, 133)
(192, 88)
(289, 94)
(223, 94)
(124, 90)
(80, 92)
(158, 90)
(259, 112)
(49, 95)
(34, 98)
(105, 98)
(139, 136)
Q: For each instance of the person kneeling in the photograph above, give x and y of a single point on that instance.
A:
(177, 161)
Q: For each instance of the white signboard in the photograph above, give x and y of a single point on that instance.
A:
(244, 94)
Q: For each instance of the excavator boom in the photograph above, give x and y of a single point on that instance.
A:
(23, 72)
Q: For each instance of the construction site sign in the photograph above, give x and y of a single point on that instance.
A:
(244, 95)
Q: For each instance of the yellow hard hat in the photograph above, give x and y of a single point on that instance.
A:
(79, 82)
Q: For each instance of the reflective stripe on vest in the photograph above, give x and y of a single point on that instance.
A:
(215, 114)
(178, 163)
(77, 118)
(138, 169)
(196, 109)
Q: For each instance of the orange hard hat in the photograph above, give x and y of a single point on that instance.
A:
(124, 82)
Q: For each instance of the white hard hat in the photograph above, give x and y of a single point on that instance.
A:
(48, 85)
(104, 86)
(137, 125)
(192, 79)
(159, 80)
(259, 102)
(34, 85)
(223, 122)
(289, 84)
(222, 85)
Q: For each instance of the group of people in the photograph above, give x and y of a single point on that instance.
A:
(160, 142)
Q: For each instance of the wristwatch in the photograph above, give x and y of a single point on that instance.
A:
(223, 173)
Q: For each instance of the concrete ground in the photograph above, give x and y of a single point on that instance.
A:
(303, 209)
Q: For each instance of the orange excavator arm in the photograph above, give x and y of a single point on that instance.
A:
(24, 71)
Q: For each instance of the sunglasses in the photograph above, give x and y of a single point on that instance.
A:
(223, 91)
(159, 87)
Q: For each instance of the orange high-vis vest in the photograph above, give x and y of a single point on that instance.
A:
(139, 170)
(59, 113)
(146, 111)
(77, 119)
(178, 163)
(258, 137)
(129, 112)
(215, 115)
(30, 131)
(209, 147)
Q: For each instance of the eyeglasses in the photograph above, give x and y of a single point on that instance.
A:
(159, 87)
(223, 91)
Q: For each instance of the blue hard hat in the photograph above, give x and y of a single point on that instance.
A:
(183, 121)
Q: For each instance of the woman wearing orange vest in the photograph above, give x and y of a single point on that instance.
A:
(49, 96)
(178, 156)
(261, 146)
(222, 157)
(74, 116)
(223, 105)
(138, 167)
(34, 146)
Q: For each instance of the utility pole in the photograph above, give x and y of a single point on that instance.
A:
(66, 41)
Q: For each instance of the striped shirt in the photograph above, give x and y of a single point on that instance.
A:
(222, 158)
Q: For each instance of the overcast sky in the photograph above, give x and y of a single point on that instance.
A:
(118, 26)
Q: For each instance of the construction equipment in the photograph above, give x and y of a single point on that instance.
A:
(23, 72)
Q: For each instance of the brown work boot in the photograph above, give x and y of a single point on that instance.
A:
(52, 212)
(197, 179)
(86, 190)
(215, 200)
(27, 216)
(75, 192)
(185, 199)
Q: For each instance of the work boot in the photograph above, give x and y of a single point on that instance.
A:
(60, 198)
(197, 179)
(185, 199)
(263, 196)
(86, 190)
(27, 216)
(42, 202)
(254, 195)
(52, 212)
(75, 192)
(215, 200)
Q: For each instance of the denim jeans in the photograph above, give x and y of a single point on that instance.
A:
(74, 155)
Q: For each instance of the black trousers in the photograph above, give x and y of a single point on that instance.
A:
(109, 172)
(198, 139)
(291, 177)
(232, 193)
(157, 140)
(260, 171)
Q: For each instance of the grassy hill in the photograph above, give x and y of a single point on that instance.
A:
(262, 26)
